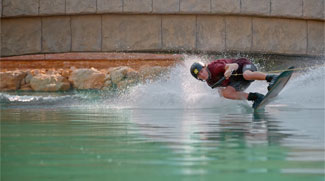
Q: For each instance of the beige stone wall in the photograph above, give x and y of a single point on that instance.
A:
(292, 27)
(301, 9)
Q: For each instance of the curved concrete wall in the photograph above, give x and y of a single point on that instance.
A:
(292, 27)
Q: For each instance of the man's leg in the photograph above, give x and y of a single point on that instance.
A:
(230, 93)
(249, 75)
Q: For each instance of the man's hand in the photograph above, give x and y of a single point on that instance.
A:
(229, 69)
(228, 73)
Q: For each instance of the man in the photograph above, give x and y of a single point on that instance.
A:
(244, 72)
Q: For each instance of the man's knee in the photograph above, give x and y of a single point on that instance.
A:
(228, 92)
(247, 75)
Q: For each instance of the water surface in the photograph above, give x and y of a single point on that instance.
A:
(172, 129)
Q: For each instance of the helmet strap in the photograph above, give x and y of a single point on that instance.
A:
(208, 72)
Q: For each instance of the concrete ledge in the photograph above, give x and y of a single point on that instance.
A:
(298, 9)
(88, 60)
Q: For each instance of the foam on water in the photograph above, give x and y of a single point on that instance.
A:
(178, 89)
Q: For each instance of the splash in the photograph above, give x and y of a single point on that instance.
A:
(176, 90)
(305, 90)
(179, 90)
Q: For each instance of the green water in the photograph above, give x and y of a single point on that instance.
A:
(160, 144)
(174, 128)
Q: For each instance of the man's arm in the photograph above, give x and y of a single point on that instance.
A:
(229, 69)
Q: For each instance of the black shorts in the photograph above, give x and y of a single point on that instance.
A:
(239, 83)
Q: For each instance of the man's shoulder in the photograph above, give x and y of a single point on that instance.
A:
(220, 61)
(217, 66)
(223, 60)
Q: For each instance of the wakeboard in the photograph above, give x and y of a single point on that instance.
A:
(279, 84)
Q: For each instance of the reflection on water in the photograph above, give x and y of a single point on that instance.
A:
(160, 144)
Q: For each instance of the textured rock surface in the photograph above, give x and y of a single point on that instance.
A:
(26, 87)
(118, 74)
(49, 83)
(123, 77)
(87, 79)
(124, 84)
(51, 80)
(28, 77)
(60, 72)
(108, 84)
(11, 80)
(148, 72)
